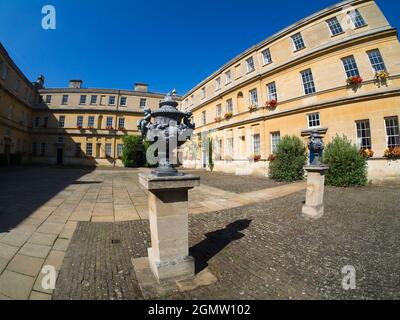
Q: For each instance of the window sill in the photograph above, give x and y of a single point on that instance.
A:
(360, 27)
(298, 50)
(267, 64)
(338, 34)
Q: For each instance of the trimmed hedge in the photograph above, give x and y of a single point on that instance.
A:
(347, 167)
(291, 157)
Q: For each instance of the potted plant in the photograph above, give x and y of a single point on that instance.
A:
(355, 81)
(228, 115)
(256, 157)
(392, 153)
(272, 157)
(253, 107)
(382, 75)
(367, 153)
(79, 126)
(90, 127)
(121, 128)
(109, 127)
(218, 119)
(271, 104)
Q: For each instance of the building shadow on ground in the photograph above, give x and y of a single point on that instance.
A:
(216, 241)
(26, 189)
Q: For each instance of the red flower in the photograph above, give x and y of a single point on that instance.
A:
(272, 103)
(356, 80)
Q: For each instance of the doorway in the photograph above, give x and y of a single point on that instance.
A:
(59, 155)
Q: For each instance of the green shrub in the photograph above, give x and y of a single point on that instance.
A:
(210, 155)
(132, 151)
(347, 167)
(291, 157)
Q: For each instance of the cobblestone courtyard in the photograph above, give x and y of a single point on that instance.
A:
(89, 224)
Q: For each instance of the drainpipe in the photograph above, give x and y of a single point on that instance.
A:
(116, 127)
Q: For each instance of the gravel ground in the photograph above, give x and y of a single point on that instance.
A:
(233, 183)
(262, 251)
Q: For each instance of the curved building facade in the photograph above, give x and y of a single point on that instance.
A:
(337, 71)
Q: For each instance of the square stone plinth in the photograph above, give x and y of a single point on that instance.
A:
(168, 214)
(314, 206)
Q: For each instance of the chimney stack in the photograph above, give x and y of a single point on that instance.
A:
(75, 84)
(141, 87)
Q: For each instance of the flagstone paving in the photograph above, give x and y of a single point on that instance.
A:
(41, 207)
(259, 251)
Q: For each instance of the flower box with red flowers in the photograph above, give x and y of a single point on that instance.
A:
(218, 119)
(272, 157)
(271, 103)
(355, 81)
(79, 127)
(121, 128)
(256, 157)
(109, 128)
(90, 127)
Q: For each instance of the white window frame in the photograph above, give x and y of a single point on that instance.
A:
(204, 118)
(123, 101)
(392, 131)
(93, 99)
(350, 67)
(121, 122)
(91, 121)
(120, 147)
(373, 60)
(357, 19)
(218, 110)
(275, 139)
(89, 148)
(272, 93)
(218, 84)
(308, 84)
(108, 149)
(61, 121)
(314, 120)
(142, 103)
(229, 105)
(79, 121)
(64, 99)
(298, 40)
(256, 144)
(253, 97)
(203, 93)
(82, 99)
(111, 100)
(334, 26)
(367, 136)
(109, 121)
(250, 65)
(228, 77)
(267, 57)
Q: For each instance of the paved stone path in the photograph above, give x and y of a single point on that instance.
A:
(41, 207)
(260, 251)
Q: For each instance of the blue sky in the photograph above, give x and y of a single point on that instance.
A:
(175, 43)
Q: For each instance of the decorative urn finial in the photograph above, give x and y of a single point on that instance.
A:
(170, 128)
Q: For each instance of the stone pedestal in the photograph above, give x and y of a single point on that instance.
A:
(314, 206)
(168, 213)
